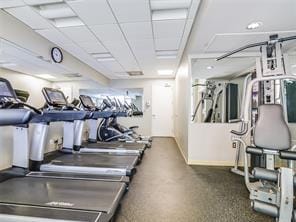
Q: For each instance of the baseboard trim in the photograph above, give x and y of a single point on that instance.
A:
(210, 163)
(181, 151)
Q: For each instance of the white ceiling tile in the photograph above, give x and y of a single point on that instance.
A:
(86, 58)
(30, 17)
(168, 29)
(109, 32)
(138, 30)
(122, 53)
(114, 66)
(79, 34)
(93, 12)
(131, 10)
(167, 44)
(93, 47)
(139, 45)
(54, 36)
(11, 3)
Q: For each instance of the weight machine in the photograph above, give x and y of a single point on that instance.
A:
(273, 193)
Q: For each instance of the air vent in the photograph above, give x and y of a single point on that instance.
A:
(135, 73)
(73, 75)
(166, 54)
(103, 56)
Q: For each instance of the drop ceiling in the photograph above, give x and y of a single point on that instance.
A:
(131, 35)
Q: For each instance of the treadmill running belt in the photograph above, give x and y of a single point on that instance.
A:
(67, 194)
(114, 145)
(39, 213)
(96, 160)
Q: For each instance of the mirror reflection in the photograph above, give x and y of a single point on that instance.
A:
(129, 97)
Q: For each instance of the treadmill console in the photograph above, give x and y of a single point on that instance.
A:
(7, 94)
(54, 97)
(87, 102)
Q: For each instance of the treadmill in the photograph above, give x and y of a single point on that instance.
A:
(116, 147)
(66, 159)
(32, 199)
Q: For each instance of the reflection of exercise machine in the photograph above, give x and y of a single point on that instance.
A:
(218, 100)
(130, 132)
(273, 192)
(207, 95)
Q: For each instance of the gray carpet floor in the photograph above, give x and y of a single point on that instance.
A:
(166, 189)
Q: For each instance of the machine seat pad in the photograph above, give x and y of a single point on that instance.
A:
(288, 155)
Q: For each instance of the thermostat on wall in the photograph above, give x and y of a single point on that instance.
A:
(56, 55)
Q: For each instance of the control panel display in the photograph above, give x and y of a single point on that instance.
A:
(55, 97)
(4, 90)
(87, 101)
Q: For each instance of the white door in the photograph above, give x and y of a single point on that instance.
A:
(162, 111)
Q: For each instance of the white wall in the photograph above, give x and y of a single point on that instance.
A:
(144, 122)
(182, 103)
(34, 86)
(210, 144)
(17, 32)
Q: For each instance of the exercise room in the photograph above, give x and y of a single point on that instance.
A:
(147, 110)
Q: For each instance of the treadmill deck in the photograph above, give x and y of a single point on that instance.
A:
(97, 196)
(97, 160)
(115, 145)
(23, 213)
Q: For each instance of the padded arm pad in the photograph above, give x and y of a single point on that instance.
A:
(265, 174)
(254, 150)
(134, 127)
(288, 155)
(271, 175)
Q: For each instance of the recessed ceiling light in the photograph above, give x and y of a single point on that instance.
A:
(171, 14)
(46, 76)
(254, 25)
(166, 54)
(54, 11)
(169, 4)
(165, 72)
(67, 22)
(210, 67)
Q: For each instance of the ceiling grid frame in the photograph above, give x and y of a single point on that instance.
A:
(98, 41)
(125, 38)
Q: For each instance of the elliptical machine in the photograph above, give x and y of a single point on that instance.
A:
(131, 131)
(106, 130)
(273, 192)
